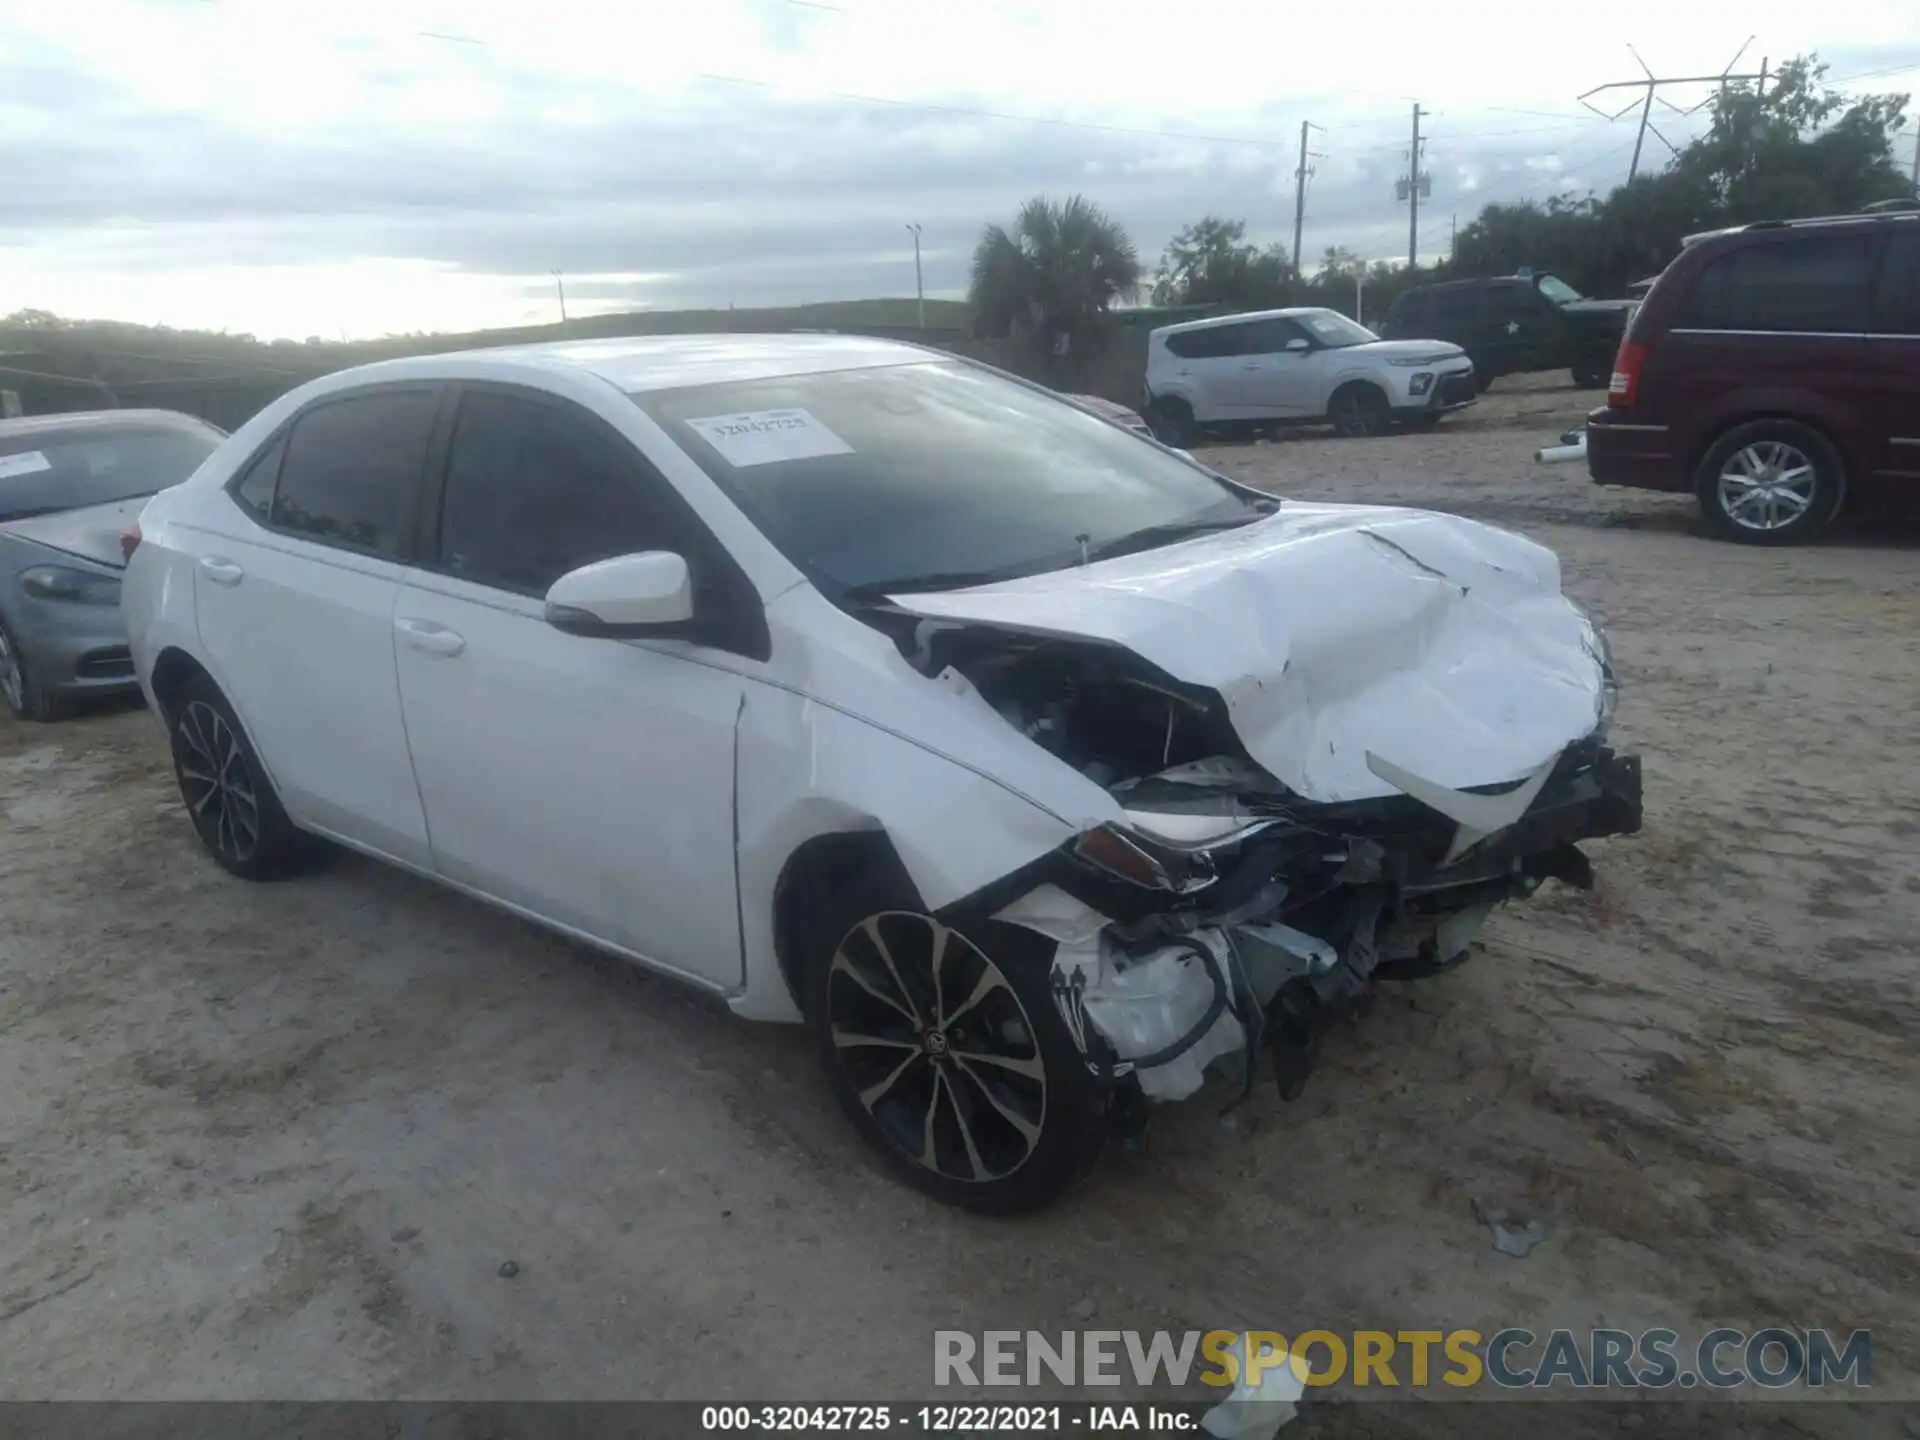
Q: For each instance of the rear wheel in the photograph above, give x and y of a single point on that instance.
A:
(945, 1050)
(1172, 422)
(229, 798)
(1770, 482)
(1359, 409)
(1592, 374)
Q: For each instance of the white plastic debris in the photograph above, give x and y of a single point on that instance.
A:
(1252, 1412)
(1151, 1003)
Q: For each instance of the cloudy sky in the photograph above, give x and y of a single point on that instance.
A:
(293, 167)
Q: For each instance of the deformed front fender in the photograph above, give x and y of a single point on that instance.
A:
(807, 769)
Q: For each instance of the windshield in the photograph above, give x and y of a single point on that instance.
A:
(1334, 330)
(934, 475)
(1557, 290)
(71, 469)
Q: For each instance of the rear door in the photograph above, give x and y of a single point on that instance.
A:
(1523, 330)
(589, 781)
(294, 599)
(1893, 357)
(1776, 325)
(1208, 363)
(1454, 315)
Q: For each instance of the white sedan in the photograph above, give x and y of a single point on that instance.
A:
(1035, 769)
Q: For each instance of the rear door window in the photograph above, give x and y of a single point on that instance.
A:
(1456, 309)
(1820, 284)
(1213, 343)
(352, 467)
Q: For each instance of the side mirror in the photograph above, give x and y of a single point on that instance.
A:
(1297, 345)
(629, 595)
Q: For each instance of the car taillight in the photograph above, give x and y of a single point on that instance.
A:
(129, 540)
(1624, 387)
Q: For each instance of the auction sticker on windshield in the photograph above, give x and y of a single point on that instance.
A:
(25, 463)
(762, 437)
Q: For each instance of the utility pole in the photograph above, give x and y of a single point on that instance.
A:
(1652, 84)
(561, 286)
(919, 288)
(1646, 116)
(1300, 178)
(1916, 161)
(1413, 193)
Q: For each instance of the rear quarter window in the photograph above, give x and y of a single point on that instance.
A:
(1803, 284)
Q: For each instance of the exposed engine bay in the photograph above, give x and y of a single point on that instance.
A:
(1230, 920)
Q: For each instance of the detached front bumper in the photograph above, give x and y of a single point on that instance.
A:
(1300, 920)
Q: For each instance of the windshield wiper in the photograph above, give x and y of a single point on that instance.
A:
(1154, 536)
(911, 584)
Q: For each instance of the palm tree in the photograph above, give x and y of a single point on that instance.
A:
(1063, 264)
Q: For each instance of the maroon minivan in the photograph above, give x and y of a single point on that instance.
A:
(1774, 371)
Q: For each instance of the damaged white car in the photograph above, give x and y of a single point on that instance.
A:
(1038, 770)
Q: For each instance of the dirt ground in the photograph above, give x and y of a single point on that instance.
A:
(278, 1141)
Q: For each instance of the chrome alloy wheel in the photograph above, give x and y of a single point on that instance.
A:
(937, 1046)
(1767, 485)
(217, 782)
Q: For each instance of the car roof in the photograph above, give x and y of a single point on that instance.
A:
(1811, 222)
(1214, 322)
(93, 422)
(641, 363)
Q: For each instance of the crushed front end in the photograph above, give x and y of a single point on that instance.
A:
(1226, 919)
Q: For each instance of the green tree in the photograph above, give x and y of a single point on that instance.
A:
(1800, 148)
(1210, 263)
(1054, 275)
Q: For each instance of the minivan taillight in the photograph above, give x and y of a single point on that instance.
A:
(1624, 387)
(129, 540)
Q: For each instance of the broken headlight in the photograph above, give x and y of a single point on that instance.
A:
(1128, 856)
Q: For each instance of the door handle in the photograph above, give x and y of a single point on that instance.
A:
(1251, 365)
(431, 639)
(220, 571)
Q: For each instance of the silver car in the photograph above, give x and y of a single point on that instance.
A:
(70, 485)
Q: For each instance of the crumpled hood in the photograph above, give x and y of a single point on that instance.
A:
(1441, 645)
(92, 533)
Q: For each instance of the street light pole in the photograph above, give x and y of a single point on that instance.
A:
(561, 286)
(919, 287)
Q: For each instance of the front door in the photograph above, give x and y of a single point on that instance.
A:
(1520, 326)
(294, 591)
(588, 781)
(1272, 382)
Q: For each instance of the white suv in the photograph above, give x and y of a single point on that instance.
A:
(1297, 365)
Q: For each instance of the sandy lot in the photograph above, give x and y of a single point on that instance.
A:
(278, 1141)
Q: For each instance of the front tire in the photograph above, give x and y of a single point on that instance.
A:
(944, 1048)
(1593, 374)
(25, 697)
(1359, 409)
(1770, 482)
(229, 798)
